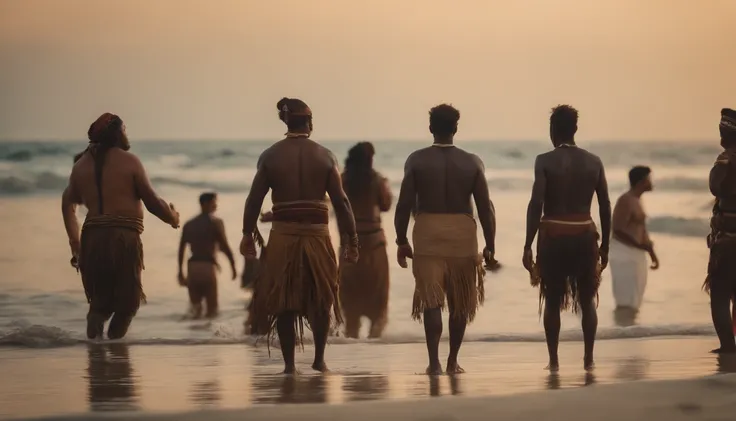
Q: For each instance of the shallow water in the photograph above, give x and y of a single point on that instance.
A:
(156, 378)
(42, 305)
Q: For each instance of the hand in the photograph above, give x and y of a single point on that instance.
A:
(351, 254)
(603, 254)
(491, 263)
(402, 253)
(182, 279)
(267, 217)
(234, 271)
(655, 261)
(174, 216)
(248, 247)
(528, 259)
(74, 246)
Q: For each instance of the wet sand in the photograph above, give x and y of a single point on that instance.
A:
(154, 379)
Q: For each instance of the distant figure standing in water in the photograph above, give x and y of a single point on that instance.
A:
(569, 261)
(721, 279)
(204, 234)
(439, 182)
(298, 278)
(109, 253)
(364, 286)
(631, 243)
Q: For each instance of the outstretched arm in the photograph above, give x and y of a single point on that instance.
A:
(536, 203)
(259, 189)
(486, 213)
(604, 208)
(340, 202)
(69, 201)
(406, 203)
(154, 204)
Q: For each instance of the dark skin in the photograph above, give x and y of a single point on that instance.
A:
(565, 180)
(204, 234)
(443, 180)
(127, 190)
(298, 168)
(722, 183)
(367, 207)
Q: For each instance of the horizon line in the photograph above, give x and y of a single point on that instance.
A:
(380, 140)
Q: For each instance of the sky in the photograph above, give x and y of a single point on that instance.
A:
(214, 69)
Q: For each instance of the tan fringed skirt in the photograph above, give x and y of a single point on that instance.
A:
(298, 275)
(111, 261)
(447, 264)
(568, 268)
(364, 285)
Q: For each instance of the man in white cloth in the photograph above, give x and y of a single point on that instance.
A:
(631, 243)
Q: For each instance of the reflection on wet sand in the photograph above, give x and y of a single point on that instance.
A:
(110, 377)
(553, 381)
(206, 394)
(631, 369)
(290, 389)
(726, 363)
(364, 388)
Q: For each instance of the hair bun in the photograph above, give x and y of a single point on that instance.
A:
(282, 102)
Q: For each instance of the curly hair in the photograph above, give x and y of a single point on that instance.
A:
(563, 122)
(443, 120)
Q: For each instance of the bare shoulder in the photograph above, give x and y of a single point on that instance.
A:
(325, 153)
(418, 155)
(543, 159)
(267, 153)
(591, 157)
(126, 158)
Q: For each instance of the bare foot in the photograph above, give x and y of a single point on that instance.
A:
(454, 368)
(588, 364)
(291, 370)
(723, 351)
(321, 367)
(553, 367)
(434, 371)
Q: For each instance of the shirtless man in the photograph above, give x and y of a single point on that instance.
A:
(631, 243)
(721, 279)
(439, 182)
(298, 275)
(565, 180)
(205, 234)
(112, 184)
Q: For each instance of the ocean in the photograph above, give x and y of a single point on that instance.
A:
(43, 308)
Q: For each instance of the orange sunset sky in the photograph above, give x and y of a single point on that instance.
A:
(214, 69)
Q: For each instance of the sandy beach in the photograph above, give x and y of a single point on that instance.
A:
(158, 379)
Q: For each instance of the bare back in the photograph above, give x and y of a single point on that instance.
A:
(572, 176)
(369, 202)
(297, 169)
(204, 234)
(120, 178)
(629, 218)
(444, 179)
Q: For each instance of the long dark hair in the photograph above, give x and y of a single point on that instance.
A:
(104, 134)
(359, 168)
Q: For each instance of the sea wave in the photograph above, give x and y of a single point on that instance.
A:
(230, 181)
(678, 226)
(39, 336)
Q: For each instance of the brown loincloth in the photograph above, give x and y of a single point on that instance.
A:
(568, 267)
(298, 275)
(447, 263)
(722, 244)
(111, 261)
(364, 285)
